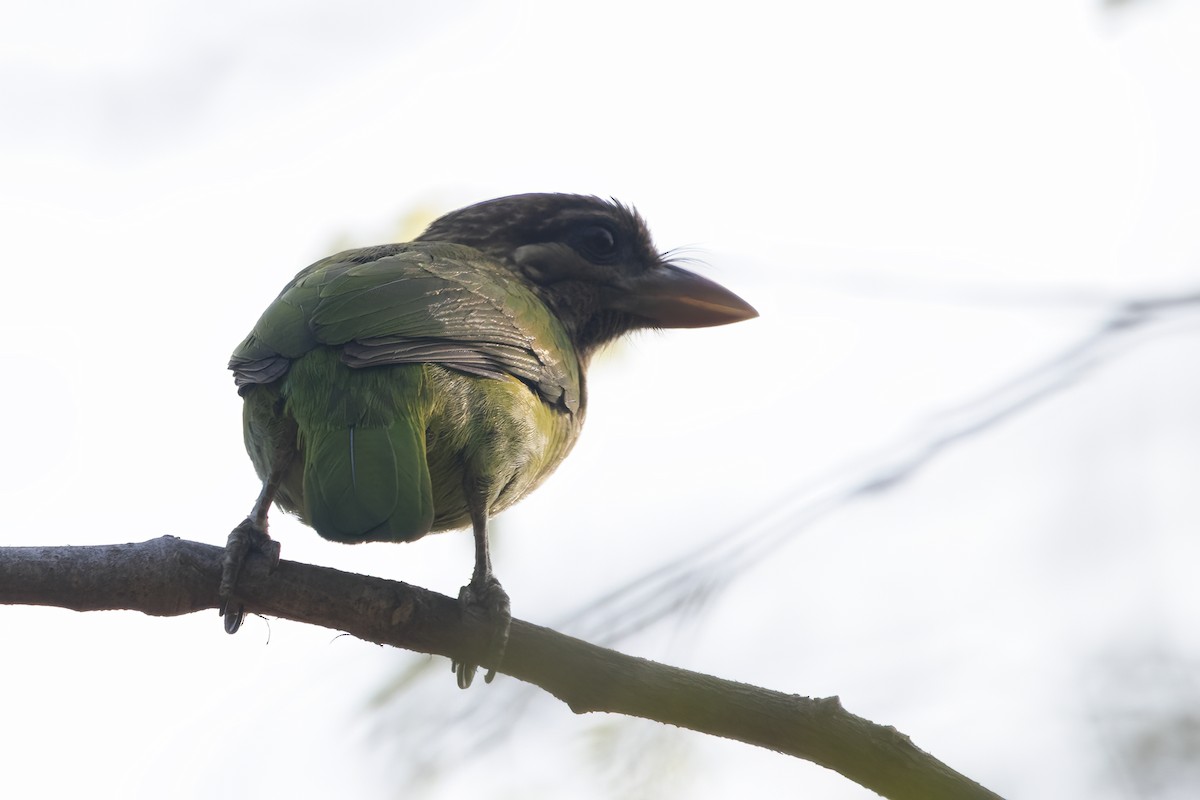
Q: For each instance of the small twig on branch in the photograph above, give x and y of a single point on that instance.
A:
(170, 576)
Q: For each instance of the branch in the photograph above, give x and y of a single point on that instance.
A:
(170, 576)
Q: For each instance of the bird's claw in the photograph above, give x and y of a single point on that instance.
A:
(247, 537)
(489, 597)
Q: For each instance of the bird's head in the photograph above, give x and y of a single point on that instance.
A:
(592, 262)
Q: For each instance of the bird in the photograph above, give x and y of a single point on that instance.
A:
(402, 389)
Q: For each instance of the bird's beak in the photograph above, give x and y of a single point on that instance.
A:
(671, 297)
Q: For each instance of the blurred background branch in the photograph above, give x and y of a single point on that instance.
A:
(679, 590)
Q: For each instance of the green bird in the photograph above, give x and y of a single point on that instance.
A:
(401, 389)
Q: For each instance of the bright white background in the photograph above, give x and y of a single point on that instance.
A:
(925, 200)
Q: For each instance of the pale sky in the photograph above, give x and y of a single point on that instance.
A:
(924, 201)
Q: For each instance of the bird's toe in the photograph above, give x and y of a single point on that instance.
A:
(247, 537)
(489, 597)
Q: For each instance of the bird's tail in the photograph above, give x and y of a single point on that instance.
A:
(365, 472)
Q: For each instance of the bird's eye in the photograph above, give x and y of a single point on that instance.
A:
(595, 242)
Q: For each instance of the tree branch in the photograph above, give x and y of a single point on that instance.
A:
(170, 576)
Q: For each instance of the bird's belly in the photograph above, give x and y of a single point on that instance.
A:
(495, 437)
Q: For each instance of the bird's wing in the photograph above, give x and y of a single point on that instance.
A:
(417, 303)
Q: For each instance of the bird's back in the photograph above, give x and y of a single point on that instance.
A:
(400, 379)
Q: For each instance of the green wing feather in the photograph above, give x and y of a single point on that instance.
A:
(416, 303)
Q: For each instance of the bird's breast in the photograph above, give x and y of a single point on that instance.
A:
(496, 435)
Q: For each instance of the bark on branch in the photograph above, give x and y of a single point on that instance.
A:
(170, 576)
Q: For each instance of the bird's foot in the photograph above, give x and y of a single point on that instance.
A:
(246, 538)
(489, 597)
